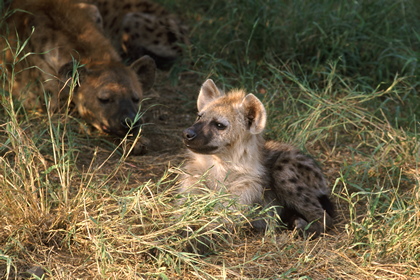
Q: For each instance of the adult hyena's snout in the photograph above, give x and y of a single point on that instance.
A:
(117, 119)
(126, 120)
(130, 122)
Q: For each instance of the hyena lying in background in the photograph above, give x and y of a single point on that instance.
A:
(53, 37)
(227, 145)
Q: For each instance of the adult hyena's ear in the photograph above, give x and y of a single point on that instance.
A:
(208, 93)
(70, 75)
(93, 13)
(145, 68)
(71, 70)
(255, 113)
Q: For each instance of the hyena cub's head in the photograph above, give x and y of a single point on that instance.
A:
(224, 121)
(109, 94)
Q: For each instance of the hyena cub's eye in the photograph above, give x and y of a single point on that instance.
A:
(219, 126)
(135, 99)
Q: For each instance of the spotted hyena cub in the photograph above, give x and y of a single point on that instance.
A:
(228, 153)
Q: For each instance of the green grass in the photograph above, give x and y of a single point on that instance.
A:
(339, 80)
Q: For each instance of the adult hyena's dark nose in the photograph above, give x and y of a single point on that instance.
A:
(189, 134)
(130, 123)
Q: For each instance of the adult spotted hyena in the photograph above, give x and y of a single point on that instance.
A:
(44, 41)
(140, 27)
(228, 153)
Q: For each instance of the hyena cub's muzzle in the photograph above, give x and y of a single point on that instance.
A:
(198, 138)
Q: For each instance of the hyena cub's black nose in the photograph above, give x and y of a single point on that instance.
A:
(189, 134)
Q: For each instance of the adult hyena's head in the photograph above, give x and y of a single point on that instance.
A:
(109, 95)
(224, 122)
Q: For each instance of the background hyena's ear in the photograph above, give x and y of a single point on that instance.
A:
(93, 13)
(71, 70)
(208, 93)
(145, 68)
(255, 113)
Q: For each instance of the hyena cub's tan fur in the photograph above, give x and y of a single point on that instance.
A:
(226, 144)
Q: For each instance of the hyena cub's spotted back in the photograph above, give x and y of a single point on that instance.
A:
(226, 145)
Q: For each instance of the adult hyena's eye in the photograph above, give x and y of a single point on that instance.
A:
(104, 100)
(104, 97)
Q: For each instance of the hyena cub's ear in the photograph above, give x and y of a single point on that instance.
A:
(255, 113)
(208, 93)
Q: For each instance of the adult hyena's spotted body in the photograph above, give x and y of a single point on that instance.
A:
(59, 37)
(141, 27)
(228, 150)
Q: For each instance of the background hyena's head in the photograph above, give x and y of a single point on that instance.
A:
(224, 121)
(109, 95)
